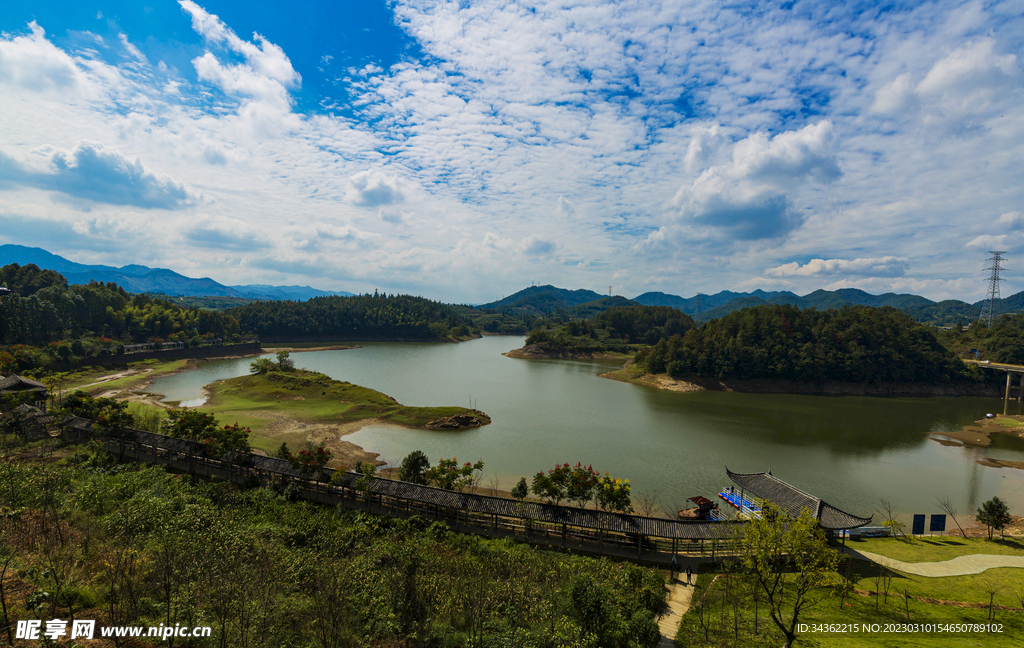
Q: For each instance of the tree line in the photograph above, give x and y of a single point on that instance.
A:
(615, 329)
(44, 308)
(857, 344)
(362, 316)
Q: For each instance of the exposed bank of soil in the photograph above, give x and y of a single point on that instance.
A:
(274, 348)
(752, 386)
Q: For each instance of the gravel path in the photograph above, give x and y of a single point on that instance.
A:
(959, 566)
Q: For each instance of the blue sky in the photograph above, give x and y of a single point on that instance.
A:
(463, 150)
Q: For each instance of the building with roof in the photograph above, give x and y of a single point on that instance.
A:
(793, 500)
(33, 390)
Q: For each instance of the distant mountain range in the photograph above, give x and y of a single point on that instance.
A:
(541, 300)
(142, 279)
(535, 300)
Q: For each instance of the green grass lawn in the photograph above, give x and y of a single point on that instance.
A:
(1008, 422)
(730, 620)
(936, 548)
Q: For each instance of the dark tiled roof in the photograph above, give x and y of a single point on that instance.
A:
(16, 382)
(793, 500)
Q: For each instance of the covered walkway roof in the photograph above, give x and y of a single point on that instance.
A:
(793, 500)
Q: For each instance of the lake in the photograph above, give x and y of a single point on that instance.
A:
(851, 451)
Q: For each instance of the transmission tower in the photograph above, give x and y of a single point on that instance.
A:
(988, 311)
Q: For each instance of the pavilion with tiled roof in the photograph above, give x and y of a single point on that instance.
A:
(793, 500)
(18, 385)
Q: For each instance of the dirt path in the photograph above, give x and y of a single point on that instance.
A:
(106, 379)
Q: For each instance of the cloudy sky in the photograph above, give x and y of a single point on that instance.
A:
(464, 150)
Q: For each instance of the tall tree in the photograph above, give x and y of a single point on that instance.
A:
(791, 563)
(995, 515)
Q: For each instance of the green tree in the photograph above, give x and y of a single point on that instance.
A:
(261, 366)
(202, 427)
(995, 515)
(189, 424)
(284, 363)
(791, 563)
(310, 459)
(450, 475)
(613, 494)
(582, 482)
(520, 490)
(414, 467)
(552, 486)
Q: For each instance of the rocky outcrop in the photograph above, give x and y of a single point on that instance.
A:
(460, 421)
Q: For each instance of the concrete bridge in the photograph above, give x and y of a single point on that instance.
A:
(1011, 371)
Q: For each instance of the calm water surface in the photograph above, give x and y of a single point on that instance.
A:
(851, 451)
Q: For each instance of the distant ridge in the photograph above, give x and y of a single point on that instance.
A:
(542, 300)
(920, 308)
(142, 279)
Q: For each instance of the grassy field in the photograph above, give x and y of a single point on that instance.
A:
(729, 607)
(937, 549)
(306, 396)
(1008, 421)
(732, 623)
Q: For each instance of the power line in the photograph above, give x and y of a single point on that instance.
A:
(988, 311)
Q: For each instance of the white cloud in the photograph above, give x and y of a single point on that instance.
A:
(880, 267)
(131, 49)
(33, 63)
(895, 95)
(565, 208)
(557, 140)
(989, 241)
(97, 174)
(1013, 220)
(536, 246)
(372, 189)
(263, 57)
(750, 196)
(763, 283)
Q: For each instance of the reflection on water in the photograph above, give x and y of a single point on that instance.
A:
(851, 451)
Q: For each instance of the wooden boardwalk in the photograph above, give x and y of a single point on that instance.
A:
(645, 540)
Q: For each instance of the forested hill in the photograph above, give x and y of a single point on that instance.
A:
(1002, 342)
(359, 317)
(42, 309)
(541, 300)
(614, 330)
(856, 344)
